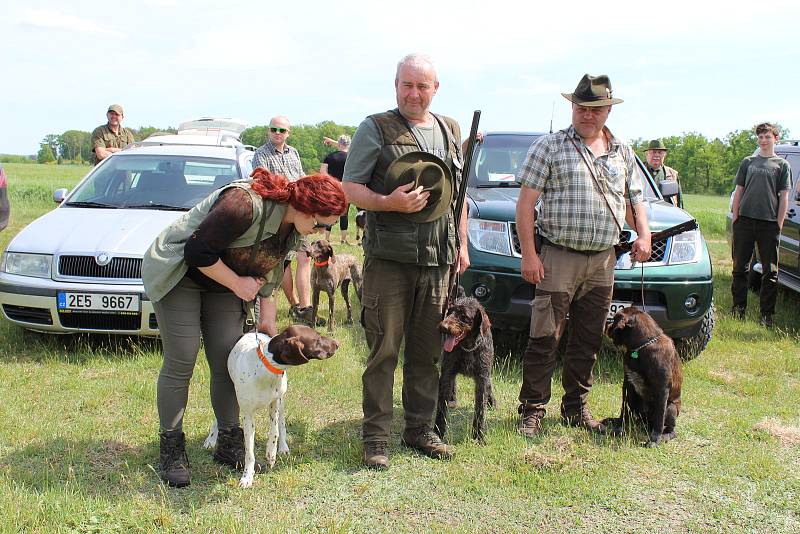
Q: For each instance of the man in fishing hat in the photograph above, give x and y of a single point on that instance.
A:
(656, 154)
(588, 185)
(110, 137)
(403, 167)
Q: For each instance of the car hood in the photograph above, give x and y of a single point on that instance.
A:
(124, 232)
(500, 204)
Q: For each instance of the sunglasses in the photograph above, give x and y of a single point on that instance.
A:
(278, 130)
(318, 225)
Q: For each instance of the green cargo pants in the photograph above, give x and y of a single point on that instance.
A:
(401, 302)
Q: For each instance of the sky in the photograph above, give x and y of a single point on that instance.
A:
(681, 66)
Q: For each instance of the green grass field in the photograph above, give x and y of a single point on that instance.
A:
(78, 438)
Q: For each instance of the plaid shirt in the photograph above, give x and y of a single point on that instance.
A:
(573, 213)
(286, 163)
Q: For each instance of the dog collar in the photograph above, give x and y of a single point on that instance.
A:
(635, 352)
(271, 368)
(321, 263)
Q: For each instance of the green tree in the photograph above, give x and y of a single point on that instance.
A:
(45, 154)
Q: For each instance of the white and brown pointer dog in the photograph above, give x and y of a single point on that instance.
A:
(257, 365)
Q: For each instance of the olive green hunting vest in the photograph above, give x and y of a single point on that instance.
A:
(163, 265)
(389, 235)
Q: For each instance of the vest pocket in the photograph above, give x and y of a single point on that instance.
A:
(396, 245)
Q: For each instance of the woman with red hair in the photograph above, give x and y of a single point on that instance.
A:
(202, 270)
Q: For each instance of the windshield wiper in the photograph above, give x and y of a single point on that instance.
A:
(90, 204)
(154, 205)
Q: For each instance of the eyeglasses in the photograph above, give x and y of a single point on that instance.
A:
(278, 130)
(318, 225)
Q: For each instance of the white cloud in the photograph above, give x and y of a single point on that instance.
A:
(55, 20)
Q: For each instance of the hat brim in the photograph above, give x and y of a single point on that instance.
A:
(438, 208)
(591, 103)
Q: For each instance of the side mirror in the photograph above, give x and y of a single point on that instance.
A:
(669, 188)
(59, 195)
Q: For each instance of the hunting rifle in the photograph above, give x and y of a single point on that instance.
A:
(625, 246)
(461, 193)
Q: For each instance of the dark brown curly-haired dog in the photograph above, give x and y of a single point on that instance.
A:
(329, 272)
(468, 350)
(651, 389)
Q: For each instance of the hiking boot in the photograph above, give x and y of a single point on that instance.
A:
(230, 449)
(737, 312)
(173, 465)
(303, 315)
(767, 320)
(375, 455)
(427, 442)
(583, 419)
(530, 422)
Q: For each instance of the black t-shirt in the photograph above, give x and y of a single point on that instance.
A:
(335, 162)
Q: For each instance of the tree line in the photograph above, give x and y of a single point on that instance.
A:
(704, 165)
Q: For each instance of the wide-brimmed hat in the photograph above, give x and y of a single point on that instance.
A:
(430, 172)
(656, 144)
(593, 91)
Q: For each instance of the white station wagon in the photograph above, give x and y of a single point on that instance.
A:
(78, 267)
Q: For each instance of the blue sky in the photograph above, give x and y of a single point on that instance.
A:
(709, 67)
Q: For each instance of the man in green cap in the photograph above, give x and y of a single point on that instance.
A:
(589, 187)
(110, 137)
(656, 153)
(396, 169)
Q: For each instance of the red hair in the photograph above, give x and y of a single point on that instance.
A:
(316, 194)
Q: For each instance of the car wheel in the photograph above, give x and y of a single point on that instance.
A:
(690, 347)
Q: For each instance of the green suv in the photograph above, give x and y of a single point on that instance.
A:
(676, 283)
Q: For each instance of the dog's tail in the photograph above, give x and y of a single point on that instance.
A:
(355, 276)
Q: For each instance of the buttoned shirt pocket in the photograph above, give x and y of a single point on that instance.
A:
(543, 322)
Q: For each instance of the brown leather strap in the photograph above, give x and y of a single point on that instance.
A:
(595, 181)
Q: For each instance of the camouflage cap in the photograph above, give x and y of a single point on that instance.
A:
(116, 108)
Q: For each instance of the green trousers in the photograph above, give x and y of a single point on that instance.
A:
(401, 303)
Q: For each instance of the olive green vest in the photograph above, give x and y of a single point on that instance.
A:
(389, 235)
(163, 265)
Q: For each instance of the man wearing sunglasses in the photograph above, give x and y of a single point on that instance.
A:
(279, 158)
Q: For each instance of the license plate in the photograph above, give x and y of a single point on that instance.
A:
(615, 307)
(102, 302)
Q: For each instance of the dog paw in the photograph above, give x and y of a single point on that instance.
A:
(271, 460)
(613, 425)
(246, 481)
(283, 449)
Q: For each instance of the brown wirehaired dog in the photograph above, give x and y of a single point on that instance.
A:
(469, 351)
(651, 389)
(330, 272)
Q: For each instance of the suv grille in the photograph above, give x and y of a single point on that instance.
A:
(87, 267)
(659, 247)
(101, 321)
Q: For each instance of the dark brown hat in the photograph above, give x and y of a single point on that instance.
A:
(593, 91)
(656, 144)
(430, 172)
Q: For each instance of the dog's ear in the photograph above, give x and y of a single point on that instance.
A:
(486, 326)
(288, 350)
(330, 253)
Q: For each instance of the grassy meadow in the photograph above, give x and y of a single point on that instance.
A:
(78, 437)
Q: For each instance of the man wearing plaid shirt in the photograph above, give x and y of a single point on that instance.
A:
(589, 186)
(279, 158)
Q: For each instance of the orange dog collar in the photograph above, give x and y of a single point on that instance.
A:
(321, 263)
(271, 368)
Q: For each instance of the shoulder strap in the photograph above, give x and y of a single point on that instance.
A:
(595, 181)
(251, 309)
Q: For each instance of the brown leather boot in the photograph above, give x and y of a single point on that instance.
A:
(530, 421)
(427, 442)
(375, 455)
(584, 419)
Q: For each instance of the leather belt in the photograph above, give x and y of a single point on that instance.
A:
(562, 247)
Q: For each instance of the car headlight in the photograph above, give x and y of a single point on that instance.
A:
(685, 248)
(23, 264)
(489, 236)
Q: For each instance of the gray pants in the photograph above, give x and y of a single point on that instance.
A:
(185, 315)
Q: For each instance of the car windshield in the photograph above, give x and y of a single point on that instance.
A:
(498, 159)
(153, 182)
